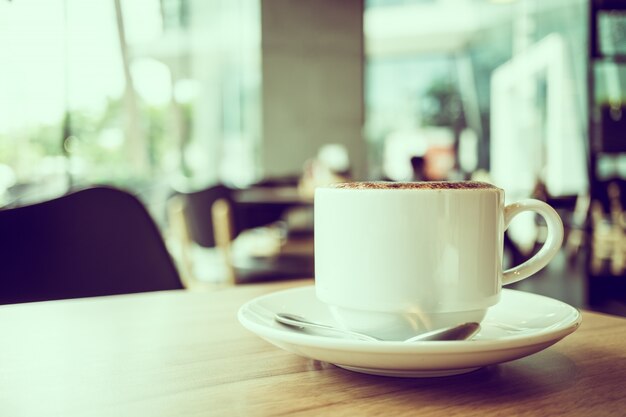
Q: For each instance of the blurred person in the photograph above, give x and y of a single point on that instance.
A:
(331, 165)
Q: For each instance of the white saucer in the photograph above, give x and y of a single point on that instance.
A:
(519, 325)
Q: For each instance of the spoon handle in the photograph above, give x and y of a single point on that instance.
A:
(302, 323)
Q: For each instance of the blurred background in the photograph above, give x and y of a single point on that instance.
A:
(269, 98)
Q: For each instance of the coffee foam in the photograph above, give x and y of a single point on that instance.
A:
(423, 185)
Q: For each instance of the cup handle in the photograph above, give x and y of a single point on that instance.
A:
(549, 248)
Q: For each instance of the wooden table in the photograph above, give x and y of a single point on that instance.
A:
(184, 354)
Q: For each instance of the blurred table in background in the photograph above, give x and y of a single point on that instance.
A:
(281, 196)
(257, 205)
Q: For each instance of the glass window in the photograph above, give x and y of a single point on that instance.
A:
(488, 89)
(137, 93)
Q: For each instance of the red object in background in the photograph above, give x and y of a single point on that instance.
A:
(439, 162)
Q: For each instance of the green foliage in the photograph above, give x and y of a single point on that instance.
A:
(442, 106)
(92, 154)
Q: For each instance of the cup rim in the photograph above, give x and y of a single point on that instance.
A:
(410, 186)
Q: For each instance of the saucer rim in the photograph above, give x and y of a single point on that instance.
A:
(572, 322)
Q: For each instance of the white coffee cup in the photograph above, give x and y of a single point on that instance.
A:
(396, 259)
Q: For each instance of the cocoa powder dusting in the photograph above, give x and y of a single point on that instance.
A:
(423, 185)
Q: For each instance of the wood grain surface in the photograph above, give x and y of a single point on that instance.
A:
(183, 353)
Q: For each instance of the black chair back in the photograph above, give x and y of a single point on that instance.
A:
(92, 242)
(197, 211)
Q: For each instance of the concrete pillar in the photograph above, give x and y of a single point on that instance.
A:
(312, 66)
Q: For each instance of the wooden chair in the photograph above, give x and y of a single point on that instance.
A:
(208, 218)
(92, 242)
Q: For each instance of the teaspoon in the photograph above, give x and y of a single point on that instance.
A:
(460, 332)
